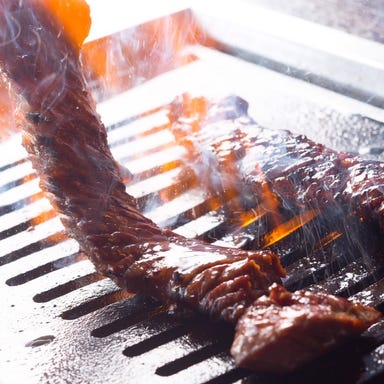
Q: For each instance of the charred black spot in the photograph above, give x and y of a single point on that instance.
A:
(33, 117)
(45, 141)
(177, 277)
(36, 118)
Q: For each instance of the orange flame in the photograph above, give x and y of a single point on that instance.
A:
(8, 103)
(288, 227)
(328, 239)
(120, 61)
(73, 16)
(248, 217)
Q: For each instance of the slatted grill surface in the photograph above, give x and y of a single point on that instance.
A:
(64, 323)
(91, 329)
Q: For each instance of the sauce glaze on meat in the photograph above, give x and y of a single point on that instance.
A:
(299, 173)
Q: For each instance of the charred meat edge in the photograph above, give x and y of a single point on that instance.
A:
(68, 147)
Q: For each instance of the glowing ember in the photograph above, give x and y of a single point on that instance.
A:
(328, 239)
(285, 229)
(249, 217)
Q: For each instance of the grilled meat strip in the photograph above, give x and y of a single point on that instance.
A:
(297, 173)
(293, 328)
(67, 145)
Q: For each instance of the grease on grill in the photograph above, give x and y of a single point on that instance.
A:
(42, 340)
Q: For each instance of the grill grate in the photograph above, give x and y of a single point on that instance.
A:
(138, 339)
(64, 323)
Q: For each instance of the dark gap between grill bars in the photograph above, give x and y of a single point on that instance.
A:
(42, 270)
(192, 358)
(125, 140)
(63, 289)
(95, 304)
(232, 376)
(208, 340)
(11, 165)
(147, 312)
(33, 247)
(4, 209)
(18, 182)
(132, 119)
(27, 224)
(152, 342)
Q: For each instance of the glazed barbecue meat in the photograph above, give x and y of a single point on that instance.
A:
(293, 328)
(294, 172)
(68, 147)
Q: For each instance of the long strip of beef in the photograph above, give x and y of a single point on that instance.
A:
(67, 144)
(68, 147)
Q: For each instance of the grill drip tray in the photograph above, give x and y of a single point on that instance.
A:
(64, 323)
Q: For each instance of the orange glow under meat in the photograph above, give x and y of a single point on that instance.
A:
(249, 217)
(288, 227)
(329, 239)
